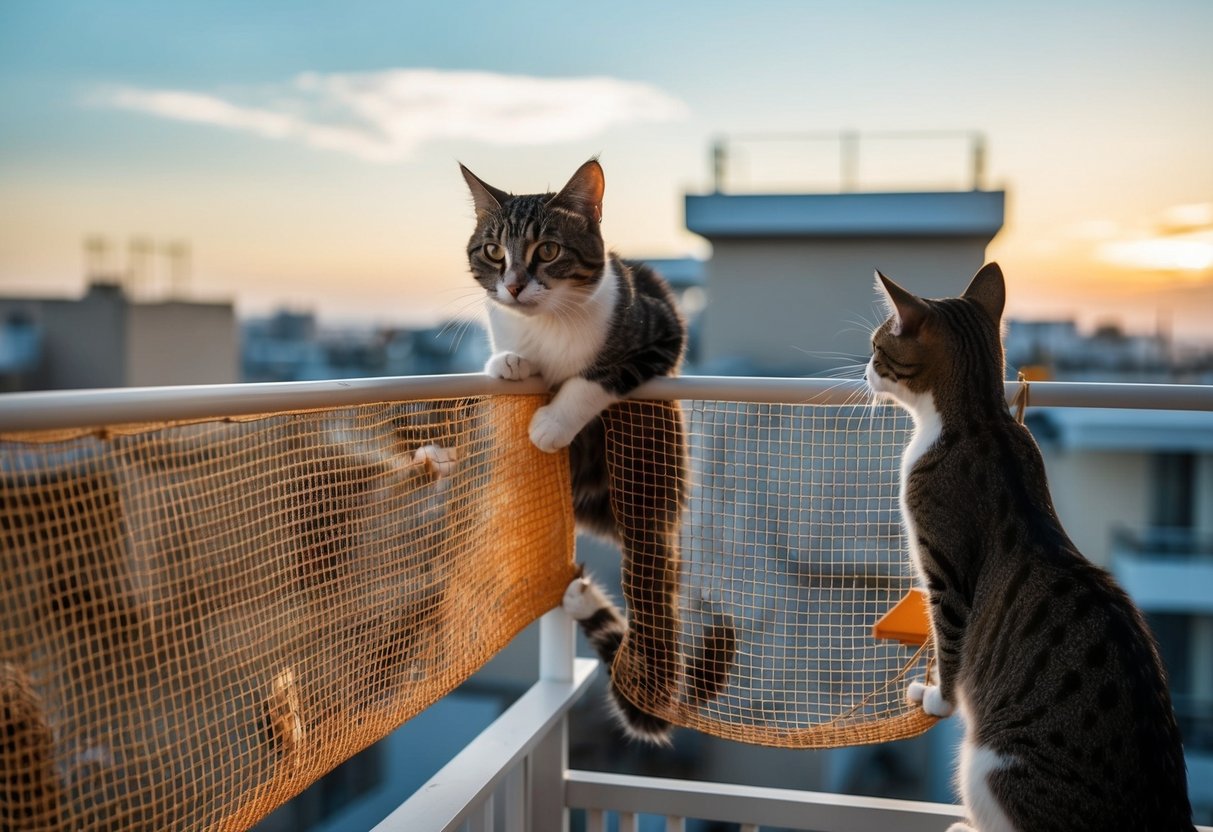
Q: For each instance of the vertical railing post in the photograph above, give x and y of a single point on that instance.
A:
(557, 646)
(718, 164)
(550, 759)
(979, 161)
(848, 160)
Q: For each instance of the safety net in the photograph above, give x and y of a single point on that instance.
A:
(790, 548)
(198, 620)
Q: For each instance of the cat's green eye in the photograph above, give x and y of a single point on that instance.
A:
(548, 252)
(494, 252)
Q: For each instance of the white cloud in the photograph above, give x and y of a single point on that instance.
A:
(1188, 217)
(385, 116)
(1181, 241)
(1188, 252)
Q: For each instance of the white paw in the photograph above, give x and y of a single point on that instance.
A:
(549, 433)
(582, 599)
(436, 459)
(509, 365)
(960, 827)
(930, 698)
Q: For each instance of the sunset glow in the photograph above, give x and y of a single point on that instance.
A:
(1192, 252)
(310, 158)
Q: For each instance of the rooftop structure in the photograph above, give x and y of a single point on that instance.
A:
(105, 339)
(782, 263)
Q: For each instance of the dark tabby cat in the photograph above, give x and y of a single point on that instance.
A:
(563, 307)
(1068, 719)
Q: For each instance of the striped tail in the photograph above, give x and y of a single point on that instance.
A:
(605, 627)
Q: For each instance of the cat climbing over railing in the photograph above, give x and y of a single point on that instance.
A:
(563, 307)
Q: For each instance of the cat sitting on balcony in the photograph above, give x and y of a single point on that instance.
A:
(563, 307)
(1068, 719)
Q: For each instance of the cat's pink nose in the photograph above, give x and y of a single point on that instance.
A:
(515, 289)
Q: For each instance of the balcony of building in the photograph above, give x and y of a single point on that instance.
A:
(1166, 570)
(215, 595)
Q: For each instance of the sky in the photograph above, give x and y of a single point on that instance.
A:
(307, 151)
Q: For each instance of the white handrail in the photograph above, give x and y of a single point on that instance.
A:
(87, 408)
(819, 811)
(466, 782)
(755, 805)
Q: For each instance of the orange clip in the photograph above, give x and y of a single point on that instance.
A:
(907, 622)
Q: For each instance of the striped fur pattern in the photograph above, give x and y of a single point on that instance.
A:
(594, 327)
(1068, 718)
(605, 628)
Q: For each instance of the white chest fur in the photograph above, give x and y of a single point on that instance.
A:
(927, 427)
(561, 341)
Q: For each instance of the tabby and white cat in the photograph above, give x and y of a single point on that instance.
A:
(563, 307)
(1068, 720)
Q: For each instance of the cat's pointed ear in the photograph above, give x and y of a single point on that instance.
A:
(583, 192)
(484, 196)
(909, 309)
(988, 290)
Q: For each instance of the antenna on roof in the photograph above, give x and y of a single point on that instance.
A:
(138, 264)
(96, 257)
(178, 253)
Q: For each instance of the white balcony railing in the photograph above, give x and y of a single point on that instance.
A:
(515, 775)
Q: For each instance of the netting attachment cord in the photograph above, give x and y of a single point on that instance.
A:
(1022, 397)
(913, 662)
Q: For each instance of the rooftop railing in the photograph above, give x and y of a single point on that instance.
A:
(849, 160)
(515, 775)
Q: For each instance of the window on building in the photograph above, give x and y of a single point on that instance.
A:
(1174, 491)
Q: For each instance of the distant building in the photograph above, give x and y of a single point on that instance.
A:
(20, 350)
(105, 339)
(291, 346)
(1057, 350)
(279, 348)
(1040, 343)
(790, 280)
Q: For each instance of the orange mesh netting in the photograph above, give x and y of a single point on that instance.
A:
(792, 538)
(198, 620)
